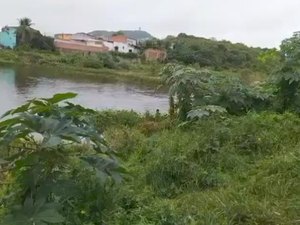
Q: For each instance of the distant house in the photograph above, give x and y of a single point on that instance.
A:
(79, 42)
(77, 46)
(155, 54)
(8, 37)
(124, 44)
(63, 36)
(82, 42)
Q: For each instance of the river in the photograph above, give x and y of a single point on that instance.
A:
(18, 84)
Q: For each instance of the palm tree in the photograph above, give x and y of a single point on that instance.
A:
(27, 22)
(23, 31)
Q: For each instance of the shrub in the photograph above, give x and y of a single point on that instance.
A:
(117, 118)
(92, 62)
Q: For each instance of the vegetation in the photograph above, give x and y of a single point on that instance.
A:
(29, 38)
(191, 50)
(227, 152)
(232, 170)
(45, 172)
(112, 65)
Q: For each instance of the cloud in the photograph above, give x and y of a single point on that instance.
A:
(256, 22)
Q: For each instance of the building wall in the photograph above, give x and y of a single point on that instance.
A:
(119, 38)
(8, 37)
(78, 46)
(155, 54)
(132, 41)
(109, 45)
(124, 47)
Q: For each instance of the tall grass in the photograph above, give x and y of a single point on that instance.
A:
(237, 170)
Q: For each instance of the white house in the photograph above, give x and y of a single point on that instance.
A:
(124, 44)
(124, 47)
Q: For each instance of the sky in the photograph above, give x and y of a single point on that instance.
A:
(258, 23)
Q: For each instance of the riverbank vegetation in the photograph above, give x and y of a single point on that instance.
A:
(217, 170)
(114, 65)
(226, 153)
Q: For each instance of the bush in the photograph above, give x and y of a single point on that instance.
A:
(112, 118)
(92, 62)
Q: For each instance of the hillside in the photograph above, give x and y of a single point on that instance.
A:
(135, 34)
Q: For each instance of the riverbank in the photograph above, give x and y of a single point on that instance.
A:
(103, 65)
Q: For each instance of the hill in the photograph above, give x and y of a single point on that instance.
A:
(135, 34)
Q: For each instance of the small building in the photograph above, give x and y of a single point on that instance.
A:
(124, 44)
(79, 46)
(8, 37)
(79, 42)
(63, 36)
(152, 54)
(89, 43)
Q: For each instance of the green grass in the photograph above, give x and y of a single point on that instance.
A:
(237, 170)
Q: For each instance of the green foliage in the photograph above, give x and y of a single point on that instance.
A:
(270, 60)
(234, 170)
(288, 76)
(39, 138)
(109, 118)
(190, 88)
(26, 36)
(206, 52)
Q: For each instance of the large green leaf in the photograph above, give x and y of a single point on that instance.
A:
(61, 97)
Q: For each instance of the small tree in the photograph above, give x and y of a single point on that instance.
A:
(288, 76)
(40, 139)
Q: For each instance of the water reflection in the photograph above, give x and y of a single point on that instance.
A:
(20, 84)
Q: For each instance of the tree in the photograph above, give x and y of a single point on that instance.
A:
(118, 33)
(270, 60)
(38, 142)
(204, 91)
(27, 22)
(26, 36)
(288, 76)
(186, 85)
(23, 31)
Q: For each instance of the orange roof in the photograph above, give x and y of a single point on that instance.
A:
(119, 38)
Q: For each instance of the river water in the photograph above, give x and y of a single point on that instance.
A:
(23, 83)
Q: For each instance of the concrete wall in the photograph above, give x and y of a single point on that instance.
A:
(109, 44)
(132, 41)
(155, 54)
(78, 46)
(8, 37)
(124, 47)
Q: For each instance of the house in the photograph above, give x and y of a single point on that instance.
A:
(80, 42)
(152, 54)
(8, 37)
(79, 46)
(63, 36)
(124, 44)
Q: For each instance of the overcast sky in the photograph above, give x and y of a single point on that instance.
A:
(254, 22)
